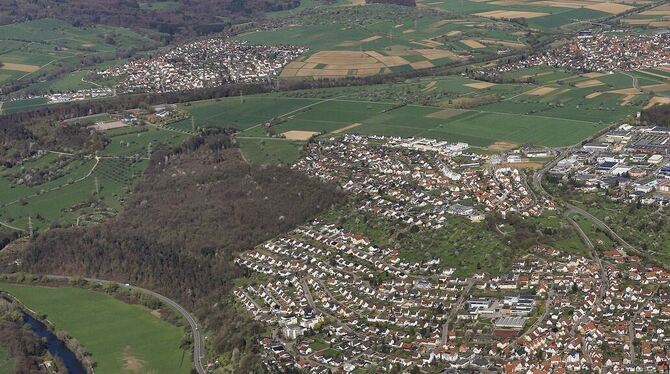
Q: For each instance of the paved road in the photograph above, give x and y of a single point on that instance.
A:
(197, 338)
(602, 225)
(572, 209)
(459, 305)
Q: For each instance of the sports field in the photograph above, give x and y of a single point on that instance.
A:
(122, 338)
(85, 189)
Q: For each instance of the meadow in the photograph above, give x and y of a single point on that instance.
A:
(72, 197)
(122, 338)
(43, 45)
(6, 364)
(438, 108)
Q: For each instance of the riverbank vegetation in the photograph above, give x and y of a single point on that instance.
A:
(21, 351)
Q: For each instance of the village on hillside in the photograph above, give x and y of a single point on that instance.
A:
(201, 64)
(597, 52)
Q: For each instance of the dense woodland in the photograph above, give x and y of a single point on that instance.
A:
(23, 346)
(657, 115)
(187, 18)
(18, 141)
(198, 206)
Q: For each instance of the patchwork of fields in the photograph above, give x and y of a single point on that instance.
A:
(122, 338)
(357, 43)
(658, 17)
(561, 109)
(541, 14)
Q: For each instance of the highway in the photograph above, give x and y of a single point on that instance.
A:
(193, 323)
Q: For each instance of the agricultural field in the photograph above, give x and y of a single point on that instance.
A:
(80, 189)
(21, 105)
(375, 39)
(563, 110)
(122, 338)
(543, 15)
(44, 45)
(658, 17)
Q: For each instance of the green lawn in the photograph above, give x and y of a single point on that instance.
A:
(6, 364)
(118, 335)
(270, 151)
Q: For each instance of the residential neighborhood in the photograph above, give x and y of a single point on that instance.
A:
(200, 64)
(421, 181)
(598, 52)
(338, 301)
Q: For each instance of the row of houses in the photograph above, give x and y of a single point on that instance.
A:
(420, 181)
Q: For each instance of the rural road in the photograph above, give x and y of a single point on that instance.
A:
(193, 323)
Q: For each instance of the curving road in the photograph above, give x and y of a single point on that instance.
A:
(193, 323)
(572, 209)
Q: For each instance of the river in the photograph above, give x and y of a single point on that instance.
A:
(55, 346)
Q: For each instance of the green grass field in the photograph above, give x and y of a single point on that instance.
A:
(122, 338)
(479, 126)
(69, 197)
(46, 44)
(6, 364)
(21, 105)
(270, 151)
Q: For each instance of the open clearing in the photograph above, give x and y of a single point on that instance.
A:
(541, 91)
(657, 100)
(593, 95)
(502, 146)
(509, 14)
(480, 85)
(19, 67)
(589, 83)
(120, 336)
(299, 135)
(346, 128)
(522, 165)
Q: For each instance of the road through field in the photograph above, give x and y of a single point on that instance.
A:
(193, 323)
